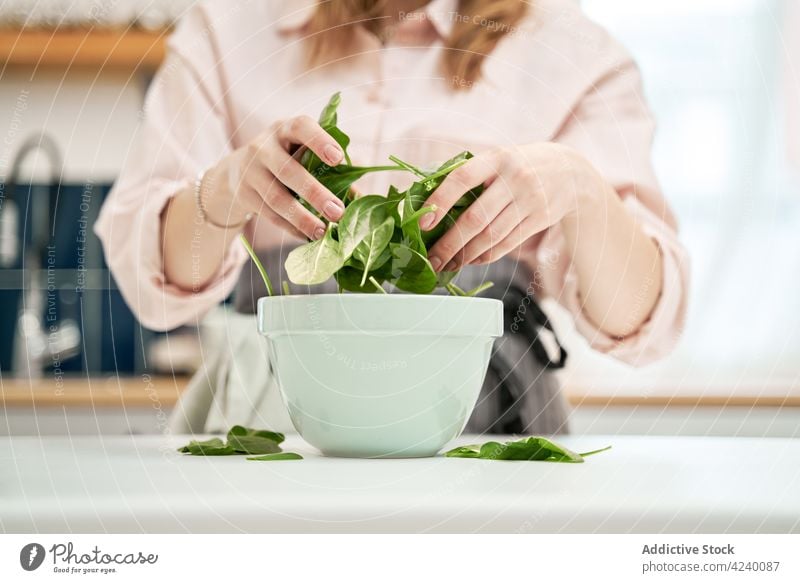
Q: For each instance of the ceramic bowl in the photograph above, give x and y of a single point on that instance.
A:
(379, 375)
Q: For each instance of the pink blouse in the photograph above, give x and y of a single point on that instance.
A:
(235, 66)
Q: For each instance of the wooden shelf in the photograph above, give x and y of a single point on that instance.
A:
(116, 392)
(144, 391)
(98, 49)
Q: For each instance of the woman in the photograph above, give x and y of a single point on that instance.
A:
(549, 103)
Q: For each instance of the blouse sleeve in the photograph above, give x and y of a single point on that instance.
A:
(184, 130)
(612, 127)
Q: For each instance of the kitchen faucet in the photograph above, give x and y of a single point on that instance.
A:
(34, 345)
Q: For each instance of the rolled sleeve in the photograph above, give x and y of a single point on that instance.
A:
(659, 333)
(612, 127)
(183, 131)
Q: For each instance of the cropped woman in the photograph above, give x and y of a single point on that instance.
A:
(551, 105)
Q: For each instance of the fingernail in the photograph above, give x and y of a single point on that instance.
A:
(333, 154)
(450, 266)
(333, 211)
(426, 221)
(436, 263)
(319, 233)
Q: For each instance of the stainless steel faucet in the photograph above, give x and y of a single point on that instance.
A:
(37, 346)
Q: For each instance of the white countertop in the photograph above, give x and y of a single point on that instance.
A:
(644, 484)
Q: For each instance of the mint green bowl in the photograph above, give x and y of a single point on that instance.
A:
(379, 375)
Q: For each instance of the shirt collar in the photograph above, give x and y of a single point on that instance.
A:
(440, 13)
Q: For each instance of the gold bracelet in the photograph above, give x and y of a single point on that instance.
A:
(198, 201)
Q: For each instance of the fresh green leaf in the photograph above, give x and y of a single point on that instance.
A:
(349, 279)
(329, 114)
(213, 446)
(412, 272)
(469, 451)
(241, 431)
(371, 248)
(315, 262)
(254, 441)
(240, 440)
(273, 457)
(378, 239)
(339, 179)
(527, 449)
(360, 219)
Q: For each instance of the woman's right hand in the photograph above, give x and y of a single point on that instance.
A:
(258, 178)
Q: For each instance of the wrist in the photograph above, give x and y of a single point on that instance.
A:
(589, 190)
(217, 201)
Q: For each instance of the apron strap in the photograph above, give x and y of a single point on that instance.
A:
(525, 317)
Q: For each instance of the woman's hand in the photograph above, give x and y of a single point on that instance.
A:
(528, 189)
(258, 177)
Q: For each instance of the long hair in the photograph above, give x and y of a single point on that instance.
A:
(478, 25)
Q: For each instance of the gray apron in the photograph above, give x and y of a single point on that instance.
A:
(520, 394)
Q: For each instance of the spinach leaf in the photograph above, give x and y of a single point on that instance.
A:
(360, 218)
(378, 239)
(527, 449)
(213, 446)
(272, 457)
(371, 249)
(328, 120)
(339, 179)
(349, 279)
(240, 440)
(411, 271)
(315, 262)
(254, 441)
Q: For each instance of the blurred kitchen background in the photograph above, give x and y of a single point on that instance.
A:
(722, 76)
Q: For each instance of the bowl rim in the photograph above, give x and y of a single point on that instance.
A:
(486, 314)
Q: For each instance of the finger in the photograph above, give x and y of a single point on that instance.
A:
(492, 235)
(281, 201)
(254, 202)
(284, 225)
(518, 236)
(464, 178)
(291, 173)
(305, 131)
(472, 221)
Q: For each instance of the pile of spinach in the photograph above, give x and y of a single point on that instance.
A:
(527, 449)
(378, 238)
(261, 444)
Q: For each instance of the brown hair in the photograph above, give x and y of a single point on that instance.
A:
(477, 28)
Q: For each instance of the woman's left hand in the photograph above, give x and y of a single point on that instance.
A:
(528, 189)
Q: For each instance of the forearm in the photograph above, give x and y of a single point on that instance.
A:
(618, 266)
(192, 249)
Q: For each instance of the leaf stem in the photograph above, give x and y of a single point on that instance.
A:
(257, 261)
(378, 286)
(454, 290)
(375, 168)
(483, 287)
(409, 167)
(286, 291)
(595, 451)
(444, 171)
(418, 213)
